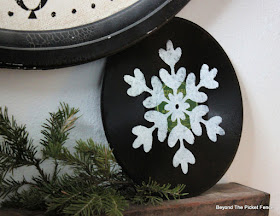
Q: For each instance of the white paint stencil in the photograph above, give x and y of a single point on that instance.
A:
(177, 106)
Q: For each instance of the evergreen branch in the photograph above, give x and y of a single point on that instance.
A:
(31, 199)
(16, 149)
(93, 162)
(58, 204)
(56, 130)
(98, 202)
(154, 193)
(8, 186)
(76, 160)
(102, 157)
(97, 185)
(115, 205)
(55, 171)
(43, 175)
(84, 206)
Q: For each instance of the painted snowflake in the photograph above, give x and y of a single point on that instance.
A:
(175, 106)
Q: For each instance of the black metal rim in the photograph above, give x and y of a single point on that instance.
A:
(59, 48)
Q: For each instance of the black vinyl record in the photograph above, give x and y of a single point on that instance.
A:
(172, 108)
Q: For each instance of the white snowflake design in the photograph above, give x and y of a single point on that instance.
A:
(177, 106)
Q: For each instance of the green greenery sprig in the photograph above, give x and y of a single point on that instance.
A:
(94, 184)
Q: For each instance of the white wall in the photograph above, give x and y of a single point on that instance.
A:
(249, 31)
(31, 95)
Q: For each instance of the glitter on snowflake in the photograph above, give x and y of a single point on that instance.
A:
(175, 102)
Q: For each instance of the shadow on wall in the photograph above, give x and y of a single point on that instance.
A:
(241, 168)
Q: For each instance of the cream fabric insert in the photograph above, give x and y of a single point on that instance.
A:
(57, 14)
